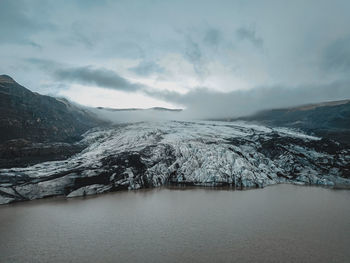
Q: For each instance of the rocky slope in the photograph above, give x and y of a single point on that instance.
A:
(152, 154)
(28, 118)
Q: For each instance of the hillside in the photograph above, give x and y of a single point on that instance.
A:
(31, 116)
(35, 128)
(327, 119)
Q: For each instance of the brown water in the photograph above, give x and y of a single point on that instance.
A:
(283, 223)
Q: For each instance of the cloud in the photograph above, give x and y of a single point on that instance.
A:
(212, 37)
(86, 4)
(86, 75)
(201, 102)
(147, 68)
(213, 47)
(249, 34)
(101, 77)
(126, 116)
(18, 24)
(194, 55)
(79, 35)
(44, 64)
(205, 103)
(337, 56)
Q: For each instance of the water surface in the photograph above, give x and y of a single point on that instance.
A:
(275, 224)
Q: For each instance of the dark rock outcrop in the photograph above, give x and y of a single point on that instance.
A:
(21, 152)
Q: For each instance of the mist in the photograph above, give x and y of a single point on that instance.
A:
(205, 104)
(138, 115)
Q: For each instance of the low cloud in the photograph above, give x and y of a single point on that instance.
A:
(204, 103)
(337, 56)
(86, 75)
(101, 77)
(128, 116)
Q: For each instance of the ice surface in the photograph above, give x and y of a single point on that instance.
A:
(150, 154)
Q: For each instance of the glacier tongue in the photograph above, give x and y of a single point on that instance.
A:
(151, 154)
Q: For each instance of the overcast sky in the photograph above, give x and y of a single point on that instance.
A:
(214, 58)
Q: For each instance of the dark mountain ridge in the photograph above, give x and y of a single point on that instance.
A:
(39, 118)
(35, 128)
(140, 109)
(326, 119)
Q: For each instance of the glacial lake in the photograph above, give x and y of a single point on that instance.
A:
(281, 223)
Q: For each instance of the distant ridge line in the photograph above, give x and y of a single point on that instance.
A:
(140, 109)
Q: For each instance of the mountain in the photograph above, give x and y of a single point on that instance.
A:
(38, 118)
(206, 153)
(36, 128)
(327, 119)
(139, 109)
(48, 148)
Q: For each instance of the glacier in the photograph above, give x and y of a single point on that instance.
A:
(205, 153)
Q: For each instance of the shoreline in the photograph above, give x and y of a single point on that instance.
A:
(172, 186)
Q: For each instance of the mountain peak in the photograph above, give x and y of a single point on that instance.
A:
(6, 78)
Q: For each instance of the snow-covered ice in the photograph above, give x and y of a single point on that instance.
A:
(150, 154)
